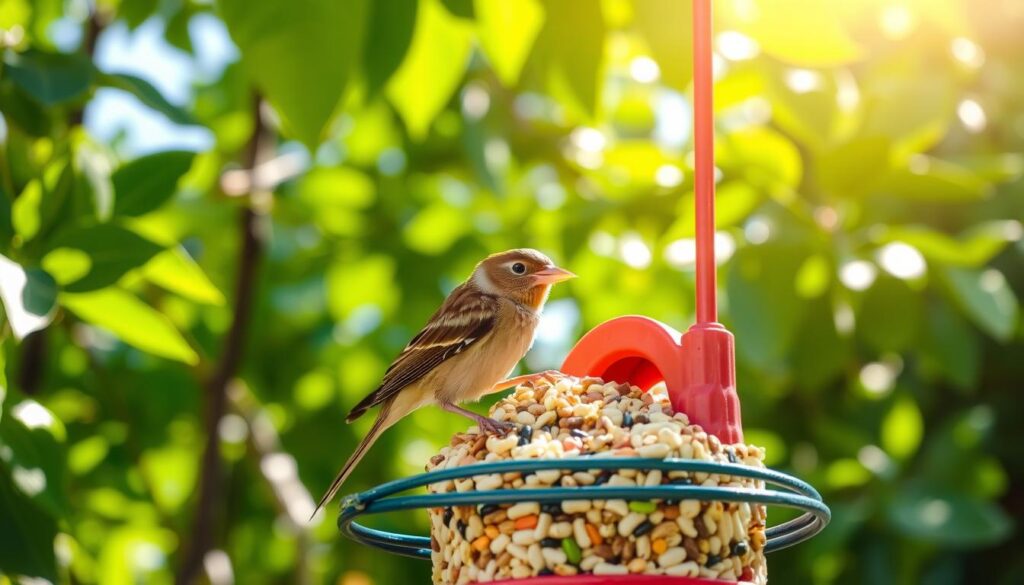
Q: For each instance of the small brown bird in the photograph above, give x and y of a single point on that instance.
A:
(482, 330)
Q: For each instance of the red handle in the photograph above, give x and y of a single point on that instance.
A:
(704, 164)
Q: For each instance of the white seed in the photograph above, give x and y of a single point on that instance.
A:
(554, 557)
(628, 524)
(535, 557)
(687, 569)
(618, 479)
(499, 543)
(672, 557)
(524, 537)
(656, 451)
(643, 547)
(517, 550)
(686, 526)
(689, 508)
(487, 482)
(575, 506)
(474, 528)
(543, 524)
(523, 509)
(548, 476)
(579, 531)
(525, 418)
(619, 507)
(588, 563)
(653, 478)
(560, 530)
(610, 569)
(546, 418)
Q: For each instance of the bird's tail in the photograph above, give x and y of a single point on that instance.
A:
(379, 426)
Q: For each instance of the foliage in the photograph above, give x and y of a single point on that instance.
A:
(869, 239)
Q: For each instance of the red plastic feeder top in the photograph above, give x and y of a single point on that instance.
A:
(699, 366)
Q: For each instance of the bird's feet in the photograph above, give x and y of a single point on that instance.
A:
(486, 424)
(549, 375)
(495, 427)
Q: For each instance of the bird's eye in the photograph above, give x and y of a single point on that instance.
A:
(519, 268)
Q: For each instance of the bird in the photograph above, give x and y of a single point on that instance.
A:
(466, 350)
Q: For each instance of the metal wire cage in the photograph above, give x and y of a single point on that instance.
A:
(786, 491)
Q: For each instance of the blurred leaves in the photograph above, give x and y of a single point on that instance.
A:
(132, 321)
(51, 78)
(29, 297)
(108, 252)
(147, 182)
(507, 32)
(419, 89)
(147, 94)
(290, 48)
(987, 299)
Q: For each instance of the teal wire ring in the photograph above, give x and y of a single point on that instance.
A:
(794, 493)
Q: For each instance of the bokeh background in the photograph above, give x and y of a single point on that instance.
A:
(219, 221)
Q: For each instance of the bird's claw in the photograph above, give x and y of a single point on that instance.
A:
(496, 427)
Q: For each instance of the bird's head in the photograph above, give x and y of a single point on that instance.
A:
(522, 275)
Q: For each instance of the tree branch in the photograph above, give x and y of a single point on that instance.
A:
(207, 513)
(278, 468)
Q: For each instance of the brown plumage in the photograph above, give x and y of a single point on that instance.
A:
(473, 341)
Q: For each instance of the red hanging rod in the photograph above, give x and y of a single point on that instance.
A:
(704, 150)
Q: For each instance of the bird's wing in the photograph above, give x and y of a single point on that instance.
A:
(466, 317)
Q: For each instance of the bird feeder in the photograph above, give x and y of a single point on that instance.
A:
(697, 368)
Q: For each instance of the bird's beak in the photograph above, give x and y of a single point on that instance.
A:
(551, 275)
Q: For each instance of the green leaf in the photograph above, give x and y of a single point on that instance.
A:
(148, 182)
(763, 307)
(33, 437)
(390, 33)
(111, 249)
(301, 55)
(22, 111)
(176, 271)
(819, 354)
(902, 428)
(507, 31)
(26, 533)
(148, 95)
(43, 202)
(852, 168)
(571, 72)
(172, 472)
(131, 321)
(135, 12)
(974, 247)
(51, 78)
(435, 229)
(890, 316)
(951, 347)
(765, 158)
(939, 516)
(935, 181)
(3, 378)
(29, 297)
(420, 89)
(660, 23)
(376, 272)
(807, 33)
(986, 298)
